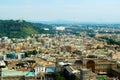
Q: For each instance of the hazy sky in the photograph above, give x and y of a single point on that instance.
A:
(68, 10)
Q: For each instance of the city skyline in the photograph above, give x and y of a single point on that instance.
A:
(103, 11)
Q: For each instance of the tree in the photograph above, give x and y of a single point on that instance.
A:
(2, 67)
(26, 54)
(30, 61)
(57, 76)
(34, 52)
(20, 64)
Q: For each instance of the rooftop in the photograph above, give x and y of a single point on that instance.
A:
(17, 73)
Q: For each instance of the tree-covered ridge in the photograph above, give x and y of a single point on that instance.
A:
(17, 29)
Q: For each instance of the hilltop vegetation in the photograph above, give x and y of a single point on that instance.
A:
(40, 27)
(16, 28)
(22, 29)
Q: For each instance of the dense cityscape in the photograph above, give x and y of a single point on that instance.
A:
(72, 52)
(59, 40)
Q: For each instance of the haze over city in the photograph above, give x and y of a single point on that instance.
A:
(100, 11)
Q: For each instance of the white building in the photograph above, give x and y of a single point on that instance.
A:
(39, 69)
(21, 55)
(2, 63)
(61, 28)
(2, 57)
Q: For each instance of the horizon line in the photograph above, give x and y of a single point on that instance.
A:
(65, 21)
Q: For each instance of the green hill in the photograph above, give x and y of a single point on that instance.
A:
(16, 29)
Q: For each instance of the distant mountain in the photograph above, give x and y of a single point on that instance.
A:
(16, 29)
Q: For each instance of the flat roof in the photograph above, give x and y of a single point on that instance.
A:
(50, 69)
(17, 73)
